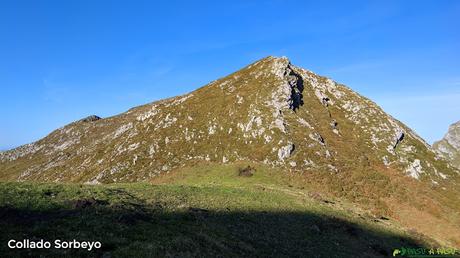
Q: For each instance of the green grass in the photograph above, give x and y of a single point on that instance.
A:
(196, 216)
(171, 155)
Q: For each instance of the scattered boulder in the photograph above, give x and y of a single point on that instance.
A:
(334, 124)
(317, 137)
(247, 171)
(286, 151)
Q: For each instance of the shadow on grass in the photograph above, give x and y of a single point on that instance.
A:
(153, 231)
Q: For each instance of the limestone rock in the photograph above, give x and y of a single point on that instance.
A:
(449, 146)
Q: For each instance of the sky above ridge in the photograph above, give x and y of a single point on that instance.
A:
(63, 60)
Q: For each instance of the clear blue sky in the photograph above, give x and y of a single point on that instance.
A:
(64, 60)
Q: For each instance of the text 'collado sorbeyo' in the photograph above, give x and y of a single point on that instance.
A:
(57, 244)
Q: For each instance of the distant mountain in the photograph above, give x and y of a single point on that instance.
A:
(270, 113)
(449, 146)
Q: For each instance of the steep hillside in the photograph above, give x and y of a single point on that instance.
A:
(325, 136)
(270, 112)
(449, 146)
(199, 220)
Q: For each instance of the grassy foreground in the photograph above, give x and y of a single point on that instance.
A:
(189, 219)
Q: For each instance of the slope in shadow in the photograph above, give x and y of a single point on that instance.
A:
(153, 231)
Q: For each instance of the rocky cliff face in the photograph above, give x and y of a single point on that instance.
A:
(449, 146)
(269, 112)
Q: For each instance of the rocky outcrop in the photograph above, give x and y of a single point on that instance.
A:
(399, 137)
(91, 118)
(296, 83)
(449, 146)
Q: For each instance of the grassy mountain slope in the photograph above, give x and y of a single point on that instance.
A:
(305, 131)
(270, 112)
(197, 216)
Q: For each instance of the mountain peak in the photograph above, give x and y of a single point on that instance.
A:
(270, 64)
(270, 112)
(276, 58)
